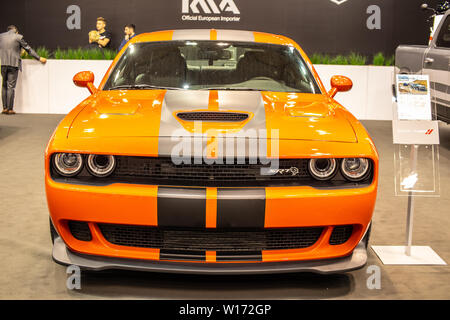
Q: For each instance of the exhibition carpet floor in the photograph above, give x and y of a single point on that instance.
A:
(28, 272)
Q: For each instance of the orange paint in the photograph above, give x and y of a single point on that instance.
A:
(210, 256)
(213, 105)
(213, 34)
(211, 207)
(213, 101)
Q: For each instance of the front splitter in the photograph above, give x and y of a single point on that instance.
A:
(358, 258)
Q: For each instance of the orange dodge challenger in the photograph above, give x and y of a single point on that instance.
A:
(211, 151)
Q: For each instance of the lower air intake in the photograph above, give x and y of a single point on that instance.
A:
(211, 240)
(341, 234)
(80, 230)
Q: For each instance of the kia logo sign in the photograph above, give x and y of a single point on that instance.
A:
(209, 7)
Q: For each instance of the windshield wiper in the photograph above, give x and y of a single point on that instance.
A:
(142, 87)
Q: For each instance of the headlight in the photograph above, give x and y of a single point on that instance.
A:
(100, 165)
(322, 169)
(68, 164)
(355, 169)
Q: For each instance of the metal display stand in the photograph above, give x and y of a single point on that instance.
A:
(421, 137)
(410, 215)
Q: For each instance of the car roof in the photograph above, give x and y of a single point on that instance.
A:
(213, 34)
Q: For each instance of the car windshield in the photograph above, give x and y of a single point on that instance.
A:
(207, 65)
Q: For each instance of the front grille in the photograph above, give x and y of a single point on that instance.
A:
(196, 172)
(213, 116)
(163, 171)
(212, 240)
(80, 230)
(341, 234)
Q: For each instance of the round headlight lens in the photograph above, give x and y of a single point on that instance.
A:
(322, 169)
(68, 164)
(355, 169)
(101, 165)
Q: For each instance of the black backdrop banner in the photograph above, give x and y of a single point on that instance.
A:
(319, 26)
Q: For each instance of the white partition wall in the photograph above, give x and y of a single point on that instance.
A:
(355, 99)
(32, 90)
(65, 95)
(49, 88)
(371, 95)
(379, 93)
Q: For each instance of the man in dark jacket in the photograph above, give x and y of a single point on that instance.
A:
(130, 33)
(11, 43)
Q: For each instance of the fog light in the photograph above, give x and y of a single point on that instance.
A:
(355, 169)
(68, 164)
(101, 165)
(322, 169)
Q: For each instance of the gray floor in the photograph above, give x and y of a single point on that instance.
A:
(27, 271)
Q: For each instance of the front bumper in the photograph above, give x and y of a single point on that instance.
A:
(356, 260)
(142, 205)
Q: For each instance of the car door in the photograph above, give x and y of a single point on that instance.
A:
(437, 66)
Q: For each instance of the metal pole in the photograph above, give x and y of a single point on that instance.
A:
(410, 215)
(409, 224)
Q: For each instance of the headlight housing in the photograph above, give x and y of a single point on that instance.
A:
(68, 164)
(100, 165)
(355, 169)
(322, 168)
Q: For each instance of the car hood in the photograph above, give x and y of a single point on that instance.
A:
(153, 113)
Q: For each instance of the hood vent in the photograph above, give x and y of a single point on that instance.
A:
(213, 116)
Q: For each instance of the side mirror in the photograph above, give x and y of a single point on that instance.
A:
(340, 84)
(85, 79)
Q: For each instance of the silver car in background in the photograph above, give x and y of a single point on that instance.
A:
(433, 60)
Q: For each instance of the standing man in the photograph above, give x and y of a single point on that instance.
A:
(100, 38)
(130, 33)
(11, 43)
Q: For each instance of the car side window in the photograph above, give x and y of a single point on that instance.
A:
(443, 39)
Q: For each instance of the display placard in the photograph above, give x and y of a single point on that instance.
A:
(412, 119)
(413, 97)
(416, 138)
(415, 132)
